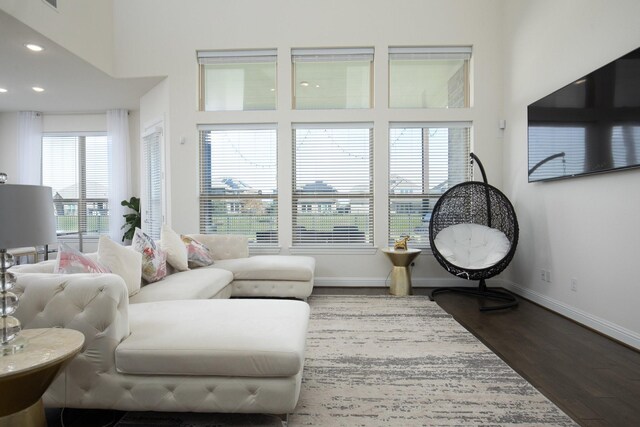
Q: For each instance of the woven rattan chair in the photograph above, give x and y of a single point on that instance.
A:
(485, 209)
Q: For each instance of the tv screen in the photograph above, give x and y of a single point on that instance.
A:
(591, 125)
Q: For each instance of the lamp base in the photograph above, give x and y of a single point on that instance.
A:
(12, 347)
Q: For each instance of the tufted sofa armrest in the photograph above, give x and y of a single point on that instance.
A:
(224, 246)
(95, 304)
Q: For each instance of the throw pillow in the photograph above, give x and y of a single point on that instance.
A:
(198, 254)
(171, 243)
(154, 259)
(122, 261)
(70, 261)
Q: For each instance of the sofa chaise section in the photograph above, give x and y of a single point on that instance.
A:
(221, 355)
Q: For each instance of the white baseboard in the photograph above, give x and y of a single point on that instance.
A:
(416, 282)
(601, 325)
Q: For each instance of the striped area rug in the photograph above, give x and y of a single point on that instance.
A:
(392, 361)
(389, 361)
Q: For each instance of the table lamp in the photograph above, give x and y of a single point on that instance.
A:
(26, 219)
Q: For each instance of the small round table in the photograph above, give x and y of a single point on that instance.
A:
(400, 275)
(26, 375)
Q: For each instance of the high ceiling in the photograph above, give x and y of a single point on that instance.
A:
(71, 84)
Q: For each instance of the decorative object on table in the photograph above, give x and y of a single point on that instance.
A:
(26, 219)
(131, 220)
(401, 243)
(475, 212)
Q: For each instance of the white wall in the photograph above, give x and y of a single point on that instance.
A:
(169, 48)
(585, 228)
(9, 146)
(83, 27)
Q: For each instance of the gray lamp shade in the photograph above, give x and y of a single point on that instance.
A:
(26, 216)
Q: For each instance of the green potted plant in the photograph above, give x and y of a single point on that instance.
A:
(131, 220)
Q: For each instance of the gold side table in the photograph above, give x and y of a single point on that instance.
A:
(400, 275)
(26, 375)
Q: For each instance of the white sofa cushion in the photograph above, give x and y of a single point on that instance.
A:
(172, 244)
(472, 246)
(270, 267)
(123, 261)
(244, 338)
(192, 284)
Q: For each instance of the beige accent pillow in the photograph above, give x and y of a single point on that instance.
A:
(122, 261)
(172, 244)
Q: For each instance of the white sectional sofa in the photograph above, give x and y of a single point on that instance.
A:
(179, 344)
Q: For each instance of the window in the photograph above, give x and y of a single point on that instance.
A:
(332, 78)
(238, 174)
(153, 165)
(425, 160)
(332, 184)
(76, 167)
(237, 80)
(429, 77)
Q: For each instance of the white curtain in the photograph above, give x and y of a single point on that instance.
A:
(29, 148)
(119, 170)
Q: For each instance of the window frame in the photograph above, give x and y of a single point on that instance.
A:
(421, 240)
(249, 56)
(81, 202)
(300, 199)
(270, 236)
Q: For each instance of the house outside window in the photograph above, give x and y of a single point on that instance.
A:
(425, 160)
(340, 78)
(76, 167)
(238, 174)
(332, 185)
(429, 77)
(240, 80)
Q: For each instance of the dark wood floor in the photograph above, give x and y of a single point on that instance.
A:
(593, 379)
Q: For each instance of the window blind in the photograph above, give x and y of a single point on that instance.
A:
(153, 218)
(425, 160)
(332, 184)
(238, 181)
(76, 167)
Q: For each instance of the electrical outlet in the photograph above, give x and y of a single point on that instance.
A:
(574, 284)
(547, 275)
(543, 276)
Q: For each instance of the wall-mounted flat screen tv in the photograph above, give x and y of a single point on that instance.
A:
(592, 125)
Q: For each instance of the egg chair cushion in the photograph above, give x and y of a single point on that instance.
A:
(472, 246)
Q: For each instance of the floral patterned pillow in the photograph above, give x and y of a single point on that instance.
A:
(154, 260)
(71, 261)
(198, 255)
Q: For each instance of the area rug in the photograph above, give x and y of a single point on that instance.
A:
(389, 361)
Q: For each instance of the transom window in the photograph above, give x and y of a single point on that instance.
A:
(429, 77)
(238, 181)
(332, 184)
(425, 160)
(76, 167)
(237, 80)
(332, 78)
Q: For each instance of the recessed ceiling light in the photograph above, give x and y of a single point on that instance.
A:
(272, 89)
(317, 85)
(3, 90)
(34, 47)
(304, 83)
(581, 81)
(37, 89)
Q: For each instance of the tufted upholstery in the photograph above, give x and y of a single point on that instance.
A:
(472, 246)
(224, 246)
(97, 305)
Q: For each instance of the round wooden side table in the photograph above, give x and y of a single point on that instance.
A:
(400, 275)
(26, 375)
